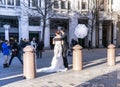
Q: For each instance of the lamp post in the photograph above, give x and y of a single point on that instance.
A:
(6, 27)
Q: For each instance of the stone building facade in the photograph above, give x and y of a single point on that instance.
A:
(15, 23)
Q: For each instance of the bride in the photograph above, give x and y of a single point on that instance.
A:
(57, 61)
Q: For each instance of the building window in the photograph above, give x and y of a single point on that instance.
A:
(34, 3)
(84, 4)
(63, 5)
(10, 2)
(12, 22)
(56, 5)
(69, 5)
(17, 2)
(101, 3)
(34, 21)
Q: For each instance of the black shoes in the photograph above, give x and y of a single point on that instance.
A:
(5, 65)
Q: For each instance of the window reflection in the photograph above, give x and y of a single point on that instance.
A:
(34, 21)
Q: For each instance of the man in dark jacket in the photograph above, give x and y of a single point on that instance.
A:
(64, 47)
(15, 53)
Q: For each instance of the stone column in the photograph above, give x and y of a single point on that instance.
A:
(110, 6)
(94, 37)
(93, 31)
(23, 20)
(6, 27)
(100, 35)
(89, 26)
(90, 32)
(23, 27)
(47, 36)
(73, 22)
(114, 32)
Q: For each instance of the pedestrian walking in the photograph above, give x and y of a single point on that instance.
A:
(15, 52)
(6, 52)
(33, 43)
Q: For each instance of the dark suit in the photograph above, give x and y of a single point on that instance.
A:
(64, 50)
(40, 49)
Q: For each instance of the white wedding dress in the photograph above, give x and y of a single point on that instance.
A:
(57, 61)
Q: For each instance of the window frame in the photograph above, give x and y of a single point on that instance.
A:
(34, 21)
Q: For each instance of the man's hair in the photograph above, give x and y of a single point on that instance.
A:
(63, 29)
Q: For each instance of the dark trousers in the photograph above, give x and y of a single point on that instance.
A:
(64, 55)
(18, 56)
(39, 53)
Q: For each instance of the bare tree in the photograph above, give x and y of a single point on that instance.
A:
(94, 19)
(43, 9)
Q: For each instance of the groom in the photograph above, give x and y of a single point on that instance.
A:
(64, 47)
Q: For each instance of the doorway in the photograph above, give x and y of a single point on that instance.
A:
(107, 33)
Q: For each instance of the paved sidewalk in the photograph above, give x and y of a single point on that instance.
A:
(95, 73)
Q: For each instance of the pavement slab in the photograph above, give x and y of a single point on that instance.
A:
(95, 73)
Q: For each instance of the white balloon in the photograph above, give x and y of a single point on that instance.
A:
(81, 31)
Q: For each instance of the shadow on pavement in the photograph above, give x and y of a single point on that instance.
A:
(106, 80)
(6, 81)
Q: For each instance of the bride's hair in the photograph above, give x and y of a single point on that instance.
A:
(58, 32)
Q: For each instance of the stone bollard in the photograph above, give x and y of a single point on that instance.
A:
(29, 66)
(77, 57)
(111, 55)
